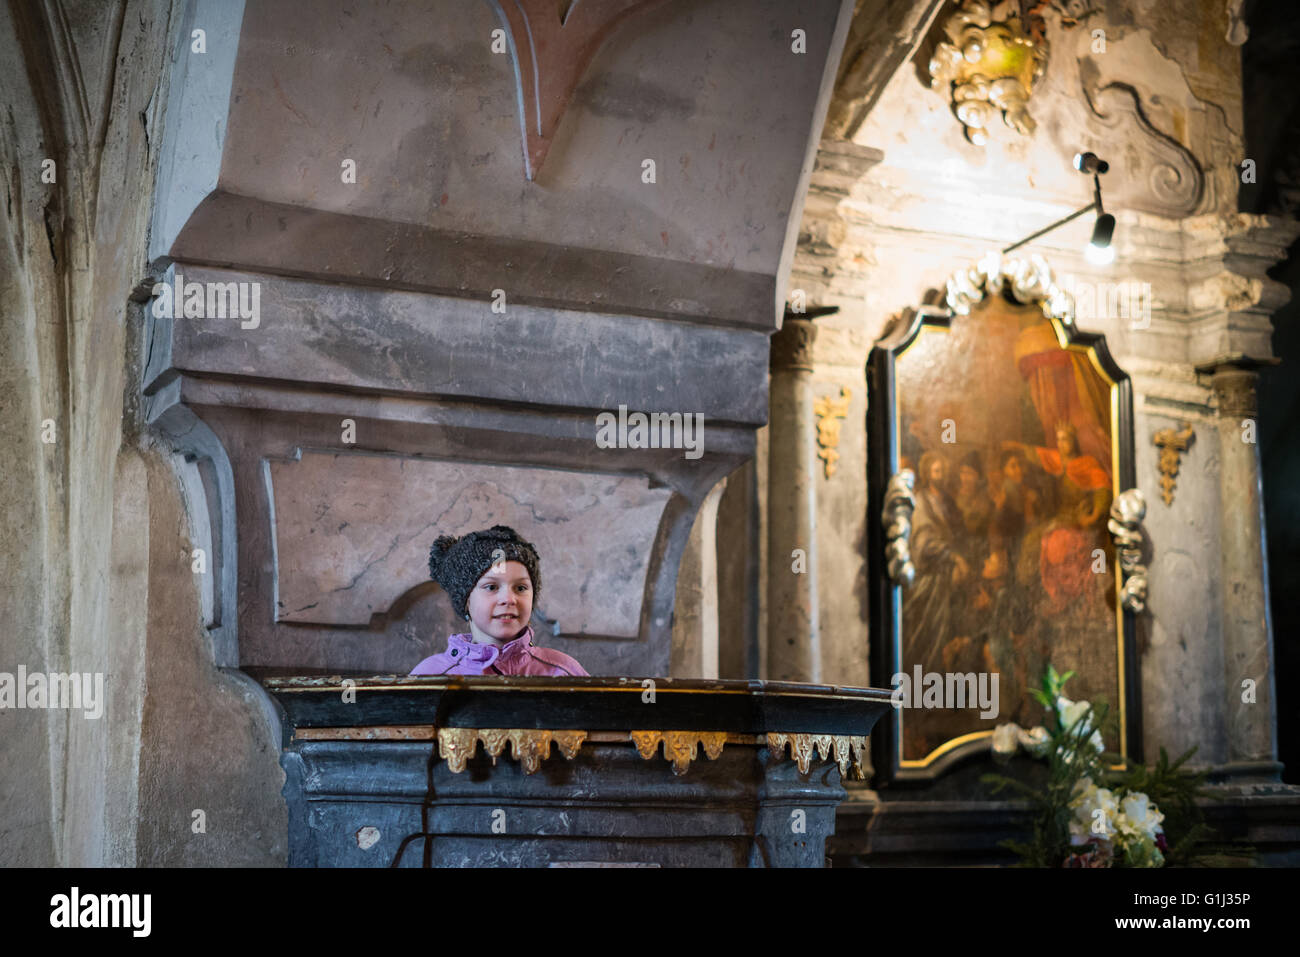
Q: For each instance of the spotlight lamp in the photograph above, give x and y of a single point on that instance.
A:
(1090, 163)
(1099, 250)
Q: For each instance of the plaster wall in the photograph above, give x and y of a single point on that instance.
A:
(1162, 102)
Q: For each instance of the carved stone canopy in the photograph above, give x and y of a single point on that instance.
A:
(552, 44)
(434, 338)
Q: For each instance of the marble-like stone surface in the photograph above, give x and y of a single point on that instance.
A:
(606, 806)
(1180, 636)
(352, 534)
(325, 335)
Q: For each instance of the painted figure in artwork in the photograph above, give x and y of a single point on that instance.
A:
(1014, 566)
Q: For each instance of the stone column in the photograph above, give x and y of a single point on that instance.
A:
(1251, 718)
(695, 611)
(793, 644)
(829, 272)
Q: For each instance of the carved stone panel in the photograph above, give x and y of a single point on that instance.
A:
(352, 531)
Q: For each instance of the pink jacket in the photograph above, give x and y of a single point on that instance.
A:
(519, 657)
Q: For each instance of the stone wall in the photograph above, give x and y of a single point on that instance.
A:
(97, 561)
(1157, 92)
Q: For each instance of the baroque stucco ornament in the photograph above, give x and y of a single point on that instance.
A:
(989, 63)
(1028, 280)
(1126, 514)
(896, 517)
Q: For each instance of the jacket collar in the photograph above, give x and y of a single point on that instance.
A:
(464, 646)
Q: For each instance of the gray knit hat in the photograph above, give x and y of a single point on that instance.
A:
(458, 563)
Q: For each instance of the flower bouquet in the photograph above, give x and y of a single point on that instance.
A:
(1090, 815)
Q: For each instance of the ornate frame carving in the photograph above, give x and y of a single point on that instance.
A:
(1024, 281)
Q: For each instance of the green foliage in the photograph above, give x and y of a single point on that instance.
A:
(1072, 757)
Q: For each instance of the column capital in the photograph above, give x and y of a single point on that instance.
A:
(1234, 385)
(792, 346)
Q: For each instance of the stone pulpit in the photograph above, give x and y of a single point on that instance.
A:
(544, 772)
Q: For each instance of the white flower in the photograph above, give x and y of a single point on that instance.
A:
(1088, 798)
(1140, 817)
(1071, 713)
(1006, 738)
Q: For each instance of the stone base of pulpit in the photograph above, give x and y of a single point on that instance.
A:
(393, 804)
(417, 772)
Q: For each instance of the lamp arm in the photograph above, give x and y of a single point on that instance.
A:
(1095, 204)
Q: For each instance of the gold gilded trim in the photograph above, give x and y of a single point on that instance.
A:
(394, 732)
(569, 742)
(1172, 443)
(950, 745)
(531, 746)
(848, 750)
(679, 746)
(418, 682)
(527, 746)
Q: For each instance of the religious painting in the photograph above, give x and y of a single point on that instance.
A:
(1013, 430)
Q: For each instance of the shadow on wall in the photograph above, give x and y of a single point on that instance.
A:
(1279, 449)
(1271, 81)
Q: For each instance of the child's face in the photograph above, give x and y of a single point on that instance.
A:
(502, 601)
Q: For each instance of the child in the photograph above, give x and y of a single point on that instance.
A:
(492, 579)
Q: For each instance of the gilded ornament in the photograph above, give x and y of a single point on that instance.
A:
(457, 745)
(847, 750)
(988, 65)
(569, 742)
(528, 746)
(1172, 444)
(829, 412)
(680, 747)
